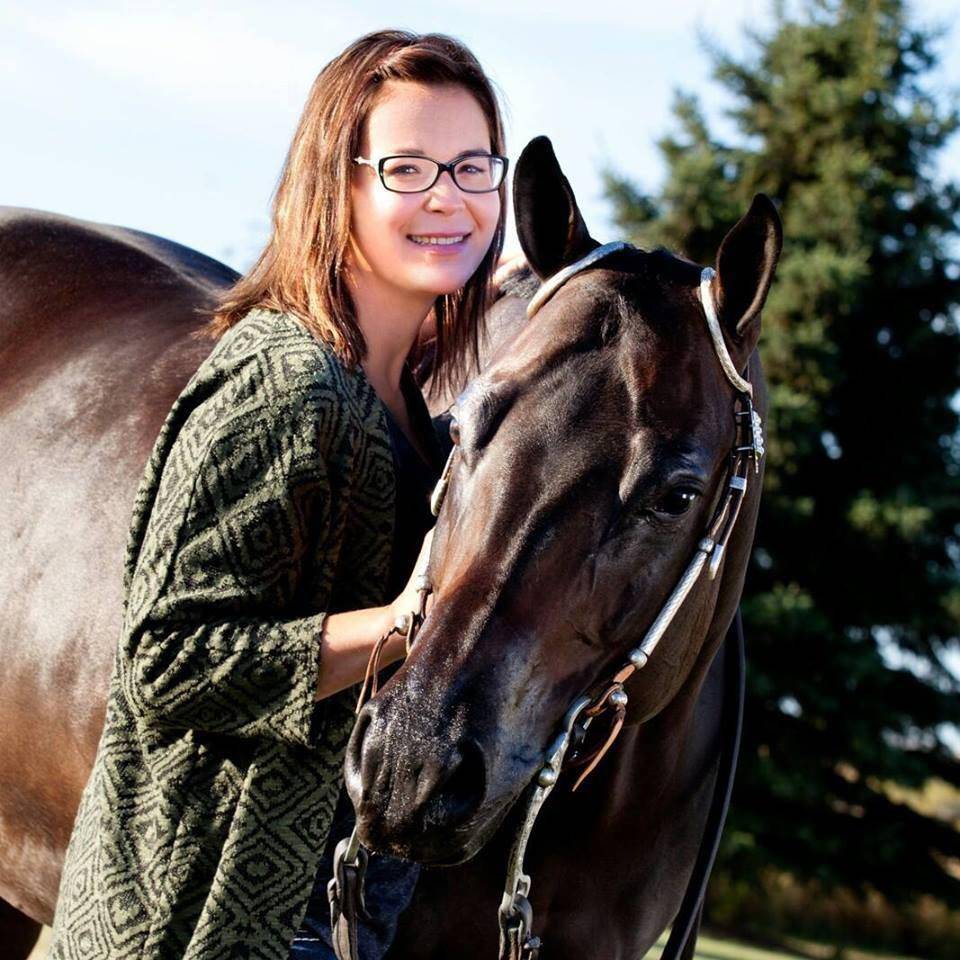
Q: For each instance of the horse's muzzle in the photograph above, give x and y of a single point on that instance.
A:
(417, 794)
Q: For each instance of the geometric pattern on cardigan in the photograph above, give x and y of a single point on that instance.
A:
(267, 501)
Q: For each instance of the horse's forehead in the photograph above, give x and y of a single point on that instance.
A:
(652, 319)
(643, 305)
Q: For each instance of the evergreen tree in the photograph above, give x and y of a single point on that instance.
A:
(853, 594)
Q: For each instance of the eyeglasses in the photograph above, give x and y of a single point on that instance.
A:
(472, 173)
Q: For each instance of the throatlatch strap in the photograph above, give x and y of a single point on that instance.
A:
(683, 935)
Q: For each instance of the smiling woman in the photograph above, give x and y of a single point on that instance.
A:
(283, 506)
(377, 100)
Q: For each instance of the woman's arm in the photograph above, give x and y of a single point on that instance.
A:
(211, 641)
(349, 638)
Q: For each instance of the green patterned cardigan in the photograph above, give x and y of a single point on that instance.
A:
(267, 501)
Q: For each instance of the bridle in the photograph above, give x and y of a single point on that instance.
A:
(515, 915)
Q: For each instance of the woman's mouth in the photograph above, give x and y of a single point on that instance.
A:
(439, 243)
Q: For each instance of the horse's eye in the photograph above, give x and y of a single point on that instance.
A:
(455, 430)
(678, 501)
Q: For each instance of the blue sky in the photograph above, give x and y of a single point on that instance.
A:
(174, 118)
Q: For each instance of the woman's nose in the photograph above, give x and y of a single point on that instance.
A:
(444, 194)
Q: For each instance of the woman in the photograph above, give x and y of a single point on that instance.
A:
(280, 511)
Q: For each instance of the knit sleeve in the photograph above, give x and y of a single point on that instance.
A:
(218, 639)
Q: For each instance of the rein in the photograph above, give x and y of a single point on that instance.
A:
(515, 915)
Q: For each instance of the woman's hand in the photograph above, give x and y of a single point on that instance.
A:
(409, 599)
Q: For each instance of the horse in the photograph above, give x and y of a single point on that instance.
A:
(590, 451)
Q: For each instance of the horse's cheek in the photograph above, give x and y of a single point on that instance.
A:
(595, 597)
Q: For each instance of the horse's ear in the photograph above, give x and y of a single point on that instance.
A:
(746, 262)
(550, 228)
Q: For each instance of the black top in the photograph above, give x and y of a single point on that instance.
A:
(415, 480)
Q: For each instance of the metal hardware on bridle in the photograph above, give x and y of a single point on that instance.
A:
(550, 286)
(515, 914)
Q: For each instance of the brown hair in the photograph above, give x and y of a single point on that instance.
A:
(300, 268)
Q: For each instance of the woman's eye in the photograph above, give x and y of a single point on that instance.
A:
(475, 169)
(677, 502)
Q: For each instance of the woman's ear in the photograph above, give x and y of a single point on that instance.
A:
(550, 227)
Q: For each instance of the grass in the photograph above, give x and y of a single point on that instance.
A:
(710, 947)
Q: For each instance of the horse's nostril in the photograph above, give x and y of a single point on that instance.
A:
(459, 789)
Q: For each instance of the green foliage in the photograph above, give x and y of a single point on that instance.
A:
(853, 595)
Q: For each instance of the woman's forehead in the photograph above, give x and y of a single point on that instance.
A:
(432, 119)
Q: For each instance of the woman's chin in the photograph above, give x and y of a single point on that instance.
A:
(440, 284)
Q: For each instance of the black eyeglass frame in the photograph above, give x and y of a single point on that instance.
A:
(450, 167)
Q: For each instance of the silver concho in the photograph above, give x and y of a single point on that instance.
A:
(756, 430)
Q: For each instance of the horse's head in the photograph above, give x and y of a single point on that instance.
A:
(593, 452)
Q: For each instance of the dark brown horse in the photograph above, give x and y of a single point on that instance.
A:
(592, 448)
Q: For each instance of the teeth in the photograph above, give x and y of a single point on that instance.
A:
(438, 241)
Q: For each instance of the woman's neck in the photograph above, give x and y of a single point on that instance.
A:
(389, 322)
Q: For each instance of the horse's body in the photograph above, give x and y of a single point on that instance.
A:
(94, 348)
(93, 352)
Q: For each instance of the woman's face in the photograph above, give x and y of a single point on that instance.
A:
(439, 122)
